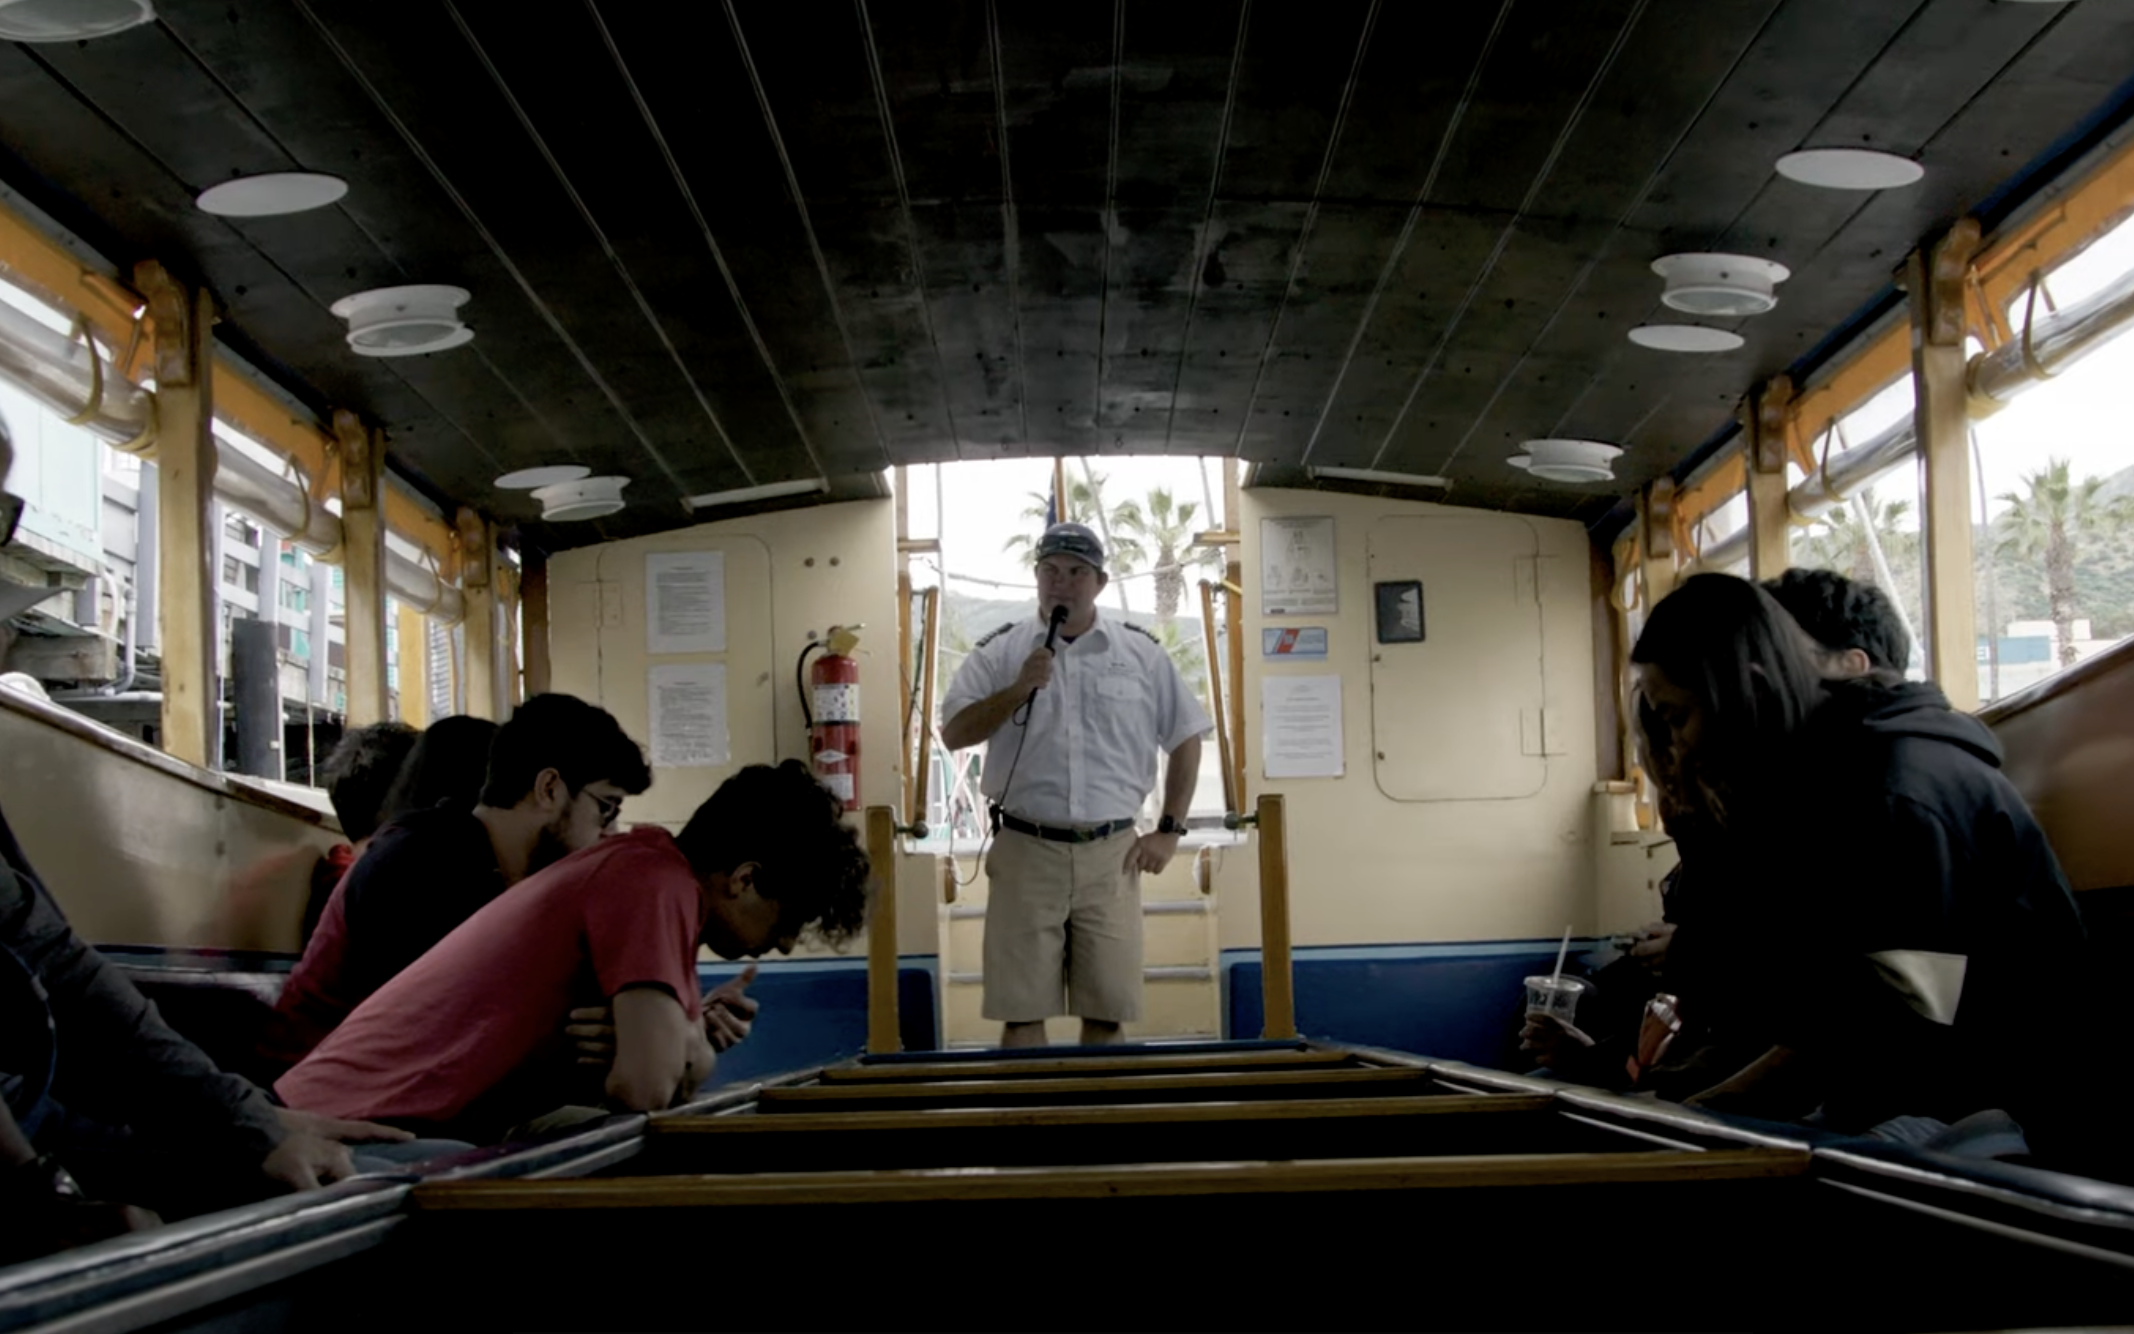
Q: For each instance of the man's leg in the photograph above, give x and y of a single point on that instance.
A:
(1104, 940)
(1028, 885)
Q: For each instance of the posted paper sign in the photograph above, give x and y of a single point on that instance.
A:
(685, 602)
(1300, 726)
(1297, 575)
(688, 702)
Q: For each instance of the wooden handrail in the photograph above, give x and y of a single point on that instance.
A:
(882, 1030)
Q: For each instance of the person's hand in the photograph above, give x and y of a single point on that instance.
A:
(305, 1161)
(341, 1132)
(592, 1035)
(729, 1011)
(1037, 670)
(1151, 853)
(1551, 1040)
(1648, 944)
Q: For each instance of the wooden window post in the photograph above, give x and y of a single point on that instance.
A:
(362, 449)
(185, 536)
(1763, 421)
(477, 586)
(533, 619)
(1934, 280)
(1656, 527)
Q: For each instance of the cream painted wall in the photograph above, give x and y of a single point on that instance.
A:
(787, 574)
(1367, 869)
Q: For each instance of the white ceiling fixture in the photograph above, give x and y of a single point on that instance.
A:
(554, 474)
(1850, 169)
(1685, 338)
(270, 195)
(1720, 285)
(1380, 478)
(586, 498)
(768, 491)
(404, 321)
(70, 20)
(1568, 460)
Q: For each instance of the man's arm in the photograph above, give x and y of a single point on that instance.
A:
(660, 1055)
(976, 722)
(1152, 852)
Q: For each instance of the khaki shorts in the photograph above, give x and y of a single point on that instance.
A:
(1062, 930)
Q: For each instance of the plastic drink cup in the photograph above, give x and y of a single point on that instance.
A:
(1556, 997)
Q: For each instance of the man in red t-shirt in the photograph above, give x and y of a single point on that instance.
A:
(468, 1042)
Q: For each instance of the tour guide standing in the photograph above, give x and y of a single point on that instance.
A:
(1073, 708)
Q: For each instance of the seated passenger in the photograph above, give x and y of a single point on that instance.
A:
(448, 766)
(1857, 632)
(359, 773)
(1882, 905)
(557, 775)
(95, 1082)
(470, 1041)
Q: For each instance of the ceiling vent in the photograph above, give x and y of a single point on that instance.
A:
(1567, 460)
(271, 195)
(70, 20)
(533, 479)
(1850, 169)
(1719, 285)
(586, 498)
(1685, 338)
(404, 321)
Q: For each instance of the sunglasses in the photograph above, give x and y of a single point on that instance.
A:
(11, 507)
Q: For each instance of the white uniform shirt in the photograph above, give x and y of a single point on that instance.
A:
(1089, 751)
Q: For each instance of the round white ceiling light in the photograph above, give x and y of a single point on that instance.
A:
(70, 20)
(1568, 460)
(1685, 338)
(1723, 285)
(1850, 169)
(271, 195)
(533, 479)
(404, 321)
(586, 498)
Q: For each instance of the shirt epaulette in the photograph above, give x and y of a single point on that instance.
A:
(1144, 630)
(989, 638)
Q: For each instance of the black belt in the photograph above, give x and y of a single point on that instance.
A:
(1065, 834)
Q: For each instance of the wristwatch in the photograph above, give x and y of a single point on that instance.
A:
(1167, 825)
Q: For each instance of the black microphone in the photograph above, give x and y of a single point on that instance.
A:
(1059, 618)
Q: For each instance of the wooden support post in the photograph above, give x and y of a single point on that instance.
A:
(929, 647)
(906, 759)
(1656, 526)
(1059, 488)
(882, 1032)
(1934, 279)
(533, 620)
(362, 566)
(185, 535)
(1218, 708)
(1277, 993)
(1763, 419)
(1234, 627)
(477, 583)
(413, 675)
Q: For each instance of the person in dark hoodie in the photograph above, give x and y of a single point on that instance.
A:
(1857, 633)
(1883, 906)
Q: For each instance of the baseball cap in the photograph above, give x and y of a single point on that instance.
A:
(1071, 539)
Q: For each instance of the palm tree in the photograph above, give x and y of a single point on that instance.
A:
(1855, 539)
(1166, 526)
(2048, 524)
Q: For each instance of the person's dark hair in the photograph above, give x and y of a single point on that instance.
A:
(448, 766)
(792, 827)
(360, 771)
(1841, 613)
(1729, 644)
(578, 740)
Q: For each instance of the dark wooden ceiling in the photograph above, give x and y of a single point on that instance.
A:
(714, 245)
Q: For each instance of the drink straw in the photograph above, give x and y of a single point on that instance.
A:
(1561, 950)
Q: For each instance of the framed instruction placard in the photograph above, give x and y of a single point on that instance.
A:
(1297, 570)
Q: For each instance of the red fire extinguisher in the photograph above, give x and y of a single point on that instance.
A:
(831, 700)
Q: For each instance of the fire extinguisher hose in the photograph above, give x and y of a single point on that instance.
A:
(800, 681)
